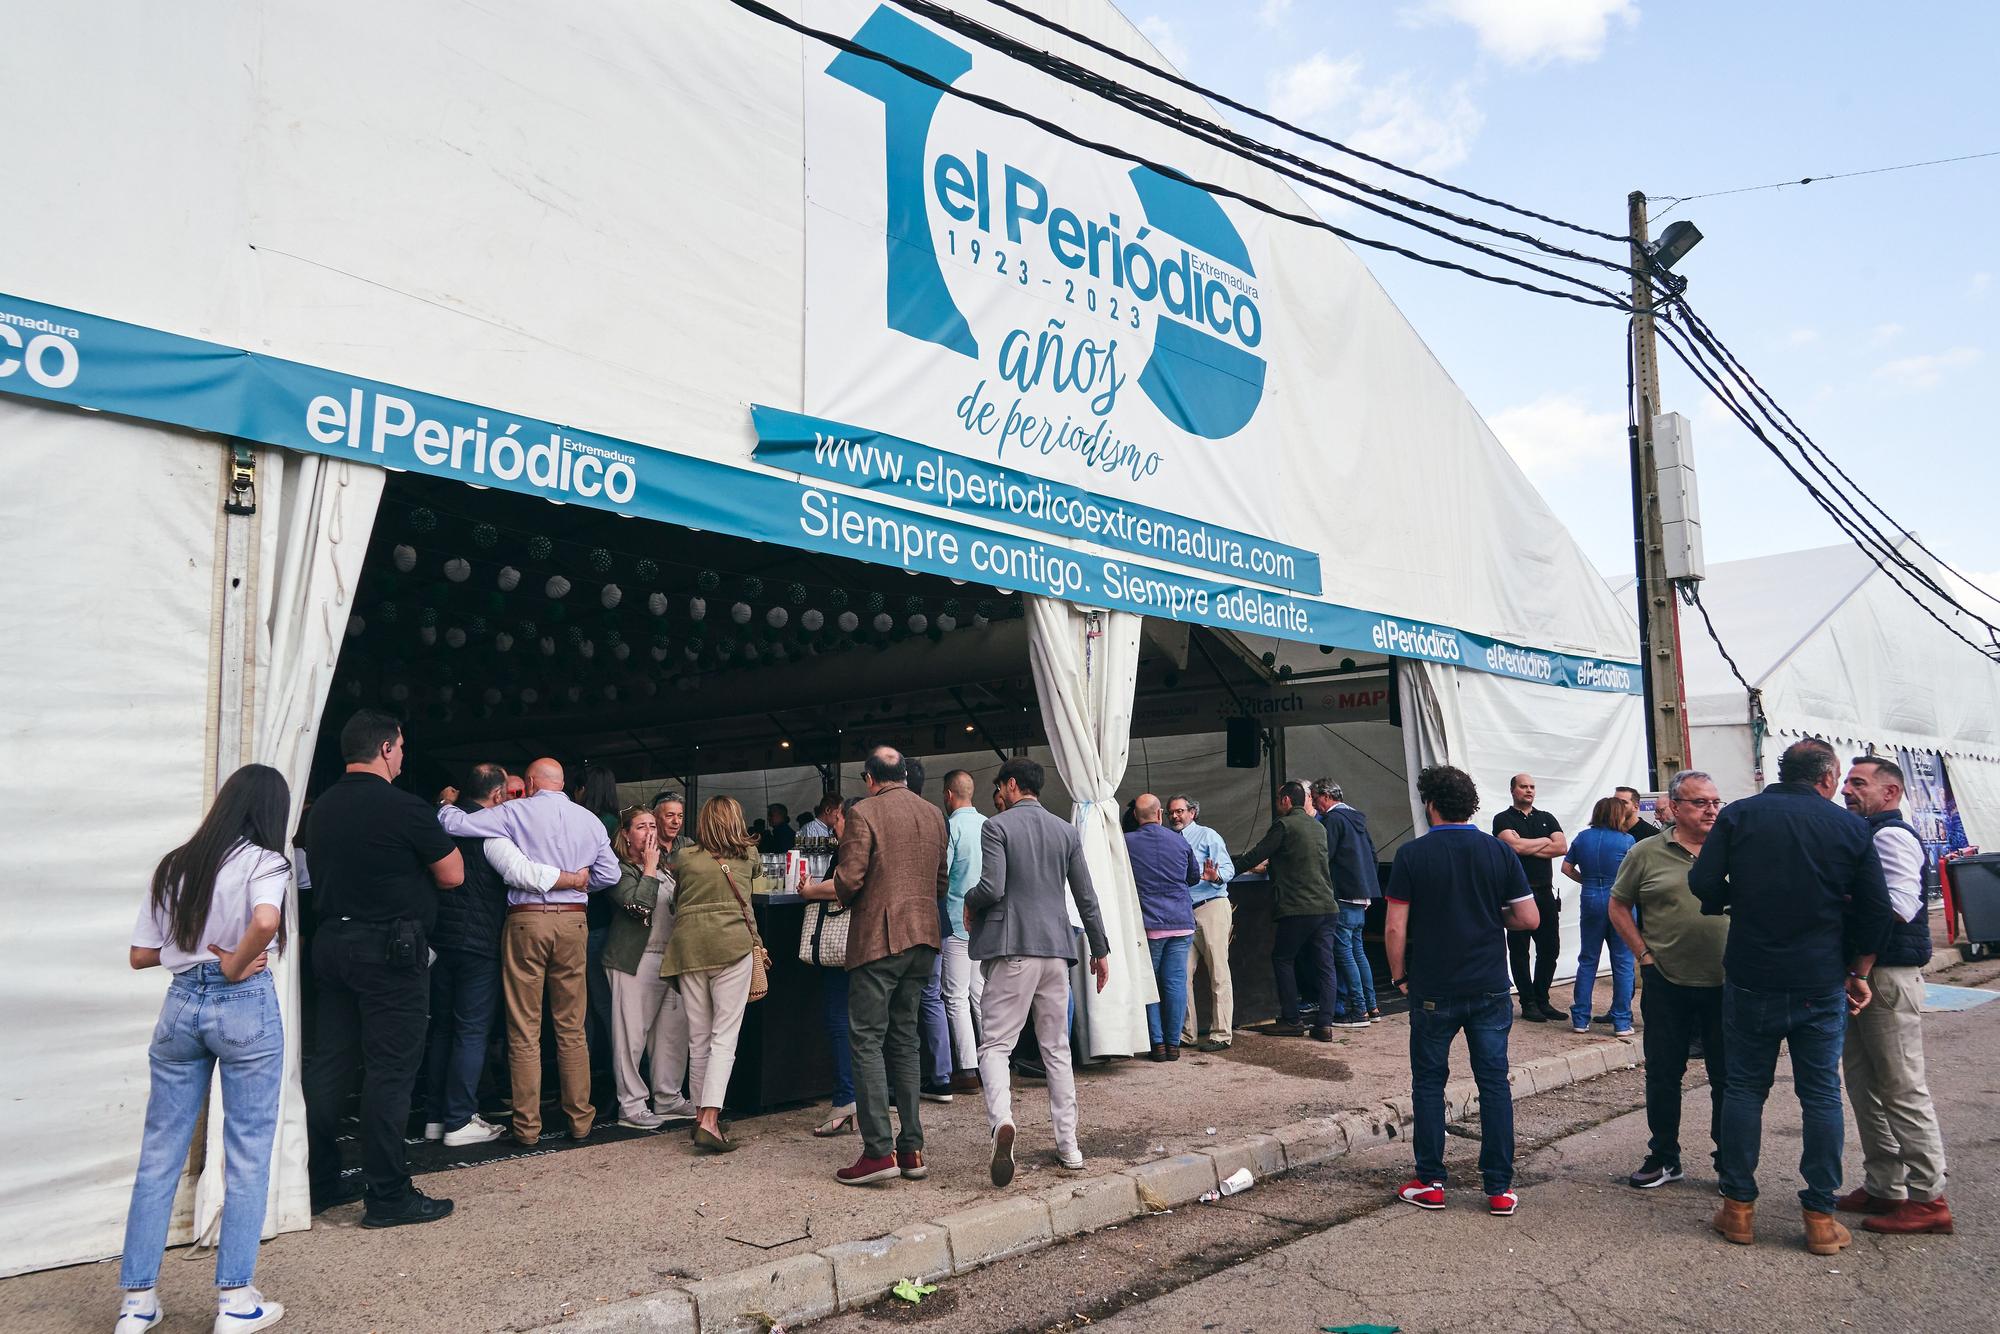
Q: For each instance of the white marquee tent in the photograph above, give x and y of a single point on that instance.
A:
(257, 229)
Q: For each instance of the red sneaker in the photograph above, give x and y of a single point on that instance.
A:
(1859, 1201)
(1503, 1205)
(1913, 1216)
(910, 1162)
(1423, 1194)
(866, 1169)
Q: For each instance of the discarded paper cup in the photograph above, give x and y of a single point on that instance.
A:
(1237, 1182)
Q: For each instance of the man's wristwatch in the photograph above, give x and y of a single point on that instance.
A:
(1859, 977)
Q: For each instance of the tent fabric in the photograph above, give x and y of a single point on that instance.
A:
(1086, 668)
(1975, 789)
(107, 665)
(310, 563)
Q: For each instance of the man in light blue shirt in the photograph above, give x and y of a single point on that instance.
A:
(1213, 914)
(963, 823)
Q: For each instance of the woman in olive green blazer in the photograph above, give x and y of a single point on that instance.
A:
(709, 953)
(646, 1012)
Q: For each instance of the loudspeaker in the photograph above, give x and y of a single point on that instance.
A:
(1245, 745)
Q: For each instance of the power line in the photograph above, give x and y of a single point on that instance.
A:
(1675, 201)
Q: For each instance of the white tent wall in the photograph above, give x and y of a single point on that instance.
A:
(1975, 788)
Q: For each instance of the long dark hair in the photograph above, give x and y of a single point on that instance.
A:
(598, 792)
(250, 808)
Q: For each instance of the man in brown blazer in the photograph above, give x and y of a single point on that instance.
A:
(891, 872)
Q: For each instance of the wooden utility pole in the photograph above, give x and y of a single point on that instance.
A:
(1659, 609)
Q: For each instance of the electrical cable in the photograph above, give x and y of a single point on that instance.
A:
(1675, 201)
(1691, 594)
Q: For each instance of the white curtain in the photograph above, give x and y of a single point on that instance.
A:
(1975, 789)
(1086, 666)
(315, 515)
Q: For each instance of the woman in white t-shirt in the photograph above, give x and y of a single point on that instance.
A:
(216, 904)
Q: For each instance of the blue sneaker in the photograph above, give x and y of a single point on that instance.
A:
(138, 1312)
(242, 1310)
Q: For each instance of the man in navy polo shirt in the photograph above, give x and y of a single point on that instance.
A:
(1453, 896)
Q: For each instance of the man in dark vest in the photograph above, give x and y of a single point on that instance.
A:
(1902, 1152)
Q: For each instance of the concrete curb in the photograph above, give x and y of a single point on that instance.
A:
(846, 1275)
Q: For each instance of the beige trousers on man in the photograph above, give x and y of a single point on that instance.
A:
(1213, 922)
(546, 950)
(1902, 1151)
(649, 1017)
(715, 999)
(1016, 988)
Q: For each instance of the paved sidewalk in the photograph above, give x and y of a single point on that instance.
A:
(538, 1241)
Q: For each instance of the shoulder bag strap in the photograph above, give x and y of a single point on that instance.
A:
(748, 921)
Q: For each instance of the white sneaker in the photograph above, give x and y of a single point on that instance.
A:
(243, 1310)
(433, 1130)
(642, 1120)
(675, 1111)
(1071, 1160)
(138, 1312)
(474, 1131)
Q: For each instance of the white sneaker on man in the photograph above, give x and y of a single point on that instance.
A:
(139, 1312)
(474, 1131)
(682, 1110)
(642, 1120)
(1070, 1160)
(245, 1310)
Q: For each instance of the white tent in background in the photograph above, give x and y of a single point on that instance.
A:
(1834, 649)
(269, 237)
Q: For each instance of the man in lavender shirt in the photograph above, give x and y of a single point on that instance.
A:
(546, 940)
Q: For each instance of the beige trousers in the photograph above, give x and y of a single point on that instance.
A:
(1902, 1151)
(1213, 923)
(648, 1016)
(715, 999)
(1017, 988)
(546, 950)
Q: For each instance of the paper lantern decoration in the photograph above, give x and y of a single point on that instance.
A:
(445, 693)
(599, 560)
(950, 607)
(429, 635)
(356, 627)
(621, 651)
(812, 620)
(708, 581)
(659, 652)
(610, 595)
(404, 558)
(508, 579)
(751, 653)
(776, 618)
(354, 688)
(491, 695)
(1326, 649)
(454, 637)
(573, 693)
(739, 612)
(697, 608)
(588, 648)
(837, 598)
(503, 642)
(485, 536)
(573, 634)
(986, 608)
(387, 612)
(1347, 664)
(884, 622)
(458, 569)
(1284, 671)
(919, 623)
(556, 587)
(913, 605)
(848, 622)
(796, 594)
(647, 569)
(753, 587)
(547, 644)
(656, 603)
(529, 694)
(540, 547)
(423, 519)
(876, 602)
(947, 622)
(399, 692)
(1270, 659)
(428, 616)
(609, 691)
(525, 629)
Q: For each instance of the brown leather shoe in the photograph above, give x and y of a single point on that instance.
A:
(1159, 1052)
(1173, 1051)
(1737, 1221)
(1859, 1201)
(1323, 1033)
(965, 1081)
(1824, 1234)
(1913, 1216)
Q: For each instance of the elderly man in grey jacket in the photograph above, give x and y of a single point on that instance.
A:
(1020, 937)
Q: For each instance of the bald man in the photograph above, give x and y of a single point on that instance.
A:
(1166, 872)
(545, 945)
(1537, 838)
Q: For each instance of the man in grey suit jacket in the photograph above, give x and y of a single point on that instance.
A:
(1018, 920)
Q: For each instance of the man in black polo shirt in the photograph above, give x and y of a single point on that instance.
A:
(1641, 828)
(379, 859)
(1537, 839)
(1453, 894)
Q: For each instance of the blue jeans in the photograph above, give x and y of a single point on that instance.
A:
(1166, 1015)
(833, 1008)
(1350, 957)
(1485, 1020)
(1595, 925)
(465, 989)
(207, 1020)
(935, 1028)
(1814, 1027)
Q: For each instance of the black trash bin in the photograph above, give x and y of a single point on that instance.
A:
(1973, 895)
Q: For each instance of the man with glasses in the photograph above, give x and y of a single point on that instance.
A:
(1213, 919)
(1679, 949)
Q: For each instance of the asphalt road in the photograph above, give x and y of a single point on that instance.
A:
(1330, 1246)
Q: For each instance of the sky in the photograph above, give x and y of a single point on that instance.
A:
(1865, 306)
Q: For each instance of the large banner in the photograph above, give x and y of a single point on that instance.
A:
(1933, 812)
(1086, 341)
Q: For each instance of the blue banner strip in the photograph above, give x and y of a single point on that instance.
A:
(65, 356)
(890, 466)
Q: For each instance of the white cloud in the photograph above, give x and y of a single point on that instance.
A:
(1926, 371)
(1166, 41)
(1976, 289)
(1800, 337)
(1558, 433)
(1883, 334)
(1396, 118)
(1274, 12)
(1533, 32)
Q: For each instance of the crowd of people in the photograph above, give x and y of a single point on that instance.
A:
(1781, 918)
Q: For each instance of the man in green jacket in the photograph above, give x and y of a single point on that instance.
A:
(1294, 852)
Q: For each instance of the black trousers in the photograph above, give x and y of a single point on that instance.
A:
(1675, 1016)
(1311, 936)
(1547, 938)
(372, 1015)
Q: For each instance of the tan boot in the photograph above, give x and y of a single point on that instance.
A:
(1824, 1234)
(1736, 1221)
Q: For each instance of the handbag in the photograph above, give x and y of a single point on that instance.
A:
(823, 935)
(760, 958)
